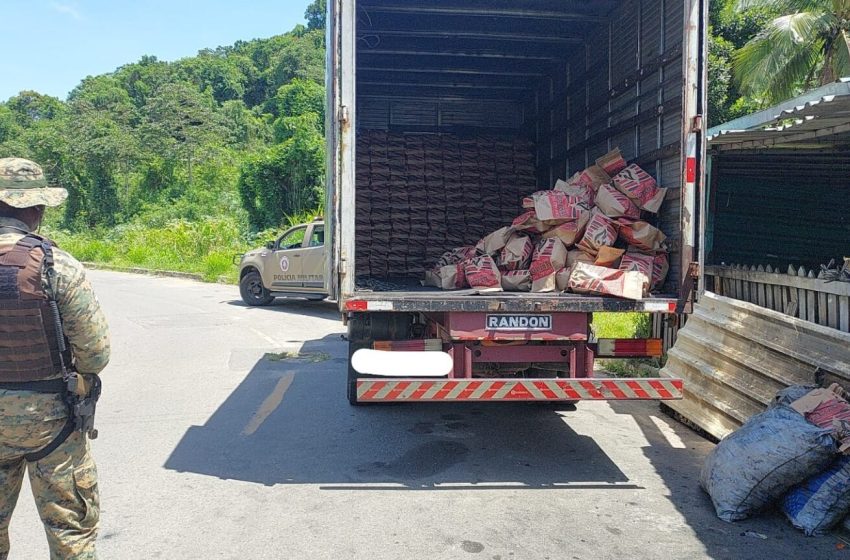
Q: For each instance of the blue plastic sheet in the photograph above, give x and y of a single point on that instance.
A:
(818, 504)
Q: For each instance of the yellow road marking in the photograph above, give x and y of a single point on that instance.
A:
(264, 336)
(269, 405)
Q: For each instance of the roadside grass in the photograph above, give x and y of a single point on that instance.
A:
(205, 247)
(625, 325)
(621, 325)
(304, 217)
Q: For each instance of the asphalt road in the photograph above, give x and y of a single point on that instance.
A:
(211, 448)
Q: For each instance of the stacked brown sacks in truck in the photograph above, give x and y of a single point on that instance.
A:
(591, 234)
(418, 194)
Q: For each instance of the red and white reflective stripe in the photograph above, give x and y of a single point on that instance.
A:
(660, 306)
(365, 305)
(432, 390)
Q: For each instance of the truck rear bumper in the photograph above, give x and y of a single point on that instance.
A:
(515, 390)
(470, 301)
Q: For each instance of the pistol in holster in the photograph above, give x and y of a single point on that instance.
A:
(83, 394)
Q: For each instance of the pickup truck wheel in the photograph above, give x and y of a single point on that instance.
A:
(252, 290)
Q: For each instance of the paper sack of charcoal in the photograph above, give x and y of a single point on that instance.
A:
(593, 233)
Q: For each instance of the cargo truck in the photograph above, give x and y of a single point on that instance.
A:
(538, 89)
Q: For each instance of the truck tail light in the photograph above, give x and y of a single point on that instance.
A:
(356, 305)
(368, 305)
(629, 348)
(691, 170)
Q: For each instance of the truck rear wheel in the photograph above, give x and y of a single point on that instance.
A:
(363, 330)
(252, 290)
(351, 382)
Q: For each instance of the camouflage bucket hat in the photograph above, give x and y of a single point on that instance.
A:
(22, 185)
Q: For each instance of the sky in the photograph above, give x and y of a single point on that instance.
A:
(50, 45)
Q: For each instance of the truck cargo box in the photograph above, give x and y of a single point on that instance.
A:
(444, 115)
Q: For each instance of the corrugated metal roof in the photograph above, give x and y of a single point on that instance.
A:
(734, 356)
(820, 118)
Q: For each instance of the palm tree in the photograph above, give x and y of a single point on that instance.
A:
(807, 47)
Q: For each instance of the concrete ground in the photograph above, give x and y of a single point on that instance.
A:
(215, 443)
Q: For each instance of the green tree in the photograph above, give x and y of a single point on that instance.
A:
(180, 122)
(103, 129)
(101, 149)
(30, 107)
(303, 57)
(720, 78)
(285, 179)
(10, 130)
(35, 126)
(298, 97)
(806, 46)
(287, 127)
(37, 142)
(315, 14)
(141, 79)
(247, 128)
(157, 141)
(730, 28)
(225, 76)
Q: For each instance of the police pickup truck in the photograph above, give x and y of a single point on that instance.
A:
(291, 266)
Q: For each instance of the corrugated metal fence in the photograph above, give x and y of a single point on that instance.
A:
(734, 356)
(666, 327)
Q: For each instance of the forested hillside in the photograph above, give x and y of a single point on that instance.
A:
(181, 164)
(174, 164)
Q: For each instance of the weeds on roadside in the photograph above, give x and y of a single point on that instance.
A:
(206, 246)
(625, 325)
(310, 357)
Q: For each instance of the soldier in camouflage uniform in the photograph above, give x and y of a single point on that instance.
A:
(64, 482)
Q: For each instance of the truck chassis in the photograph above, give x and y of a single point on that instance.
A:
(498, 357)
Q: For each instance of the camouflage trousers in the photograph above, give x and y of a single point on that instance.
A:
(64, 483)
